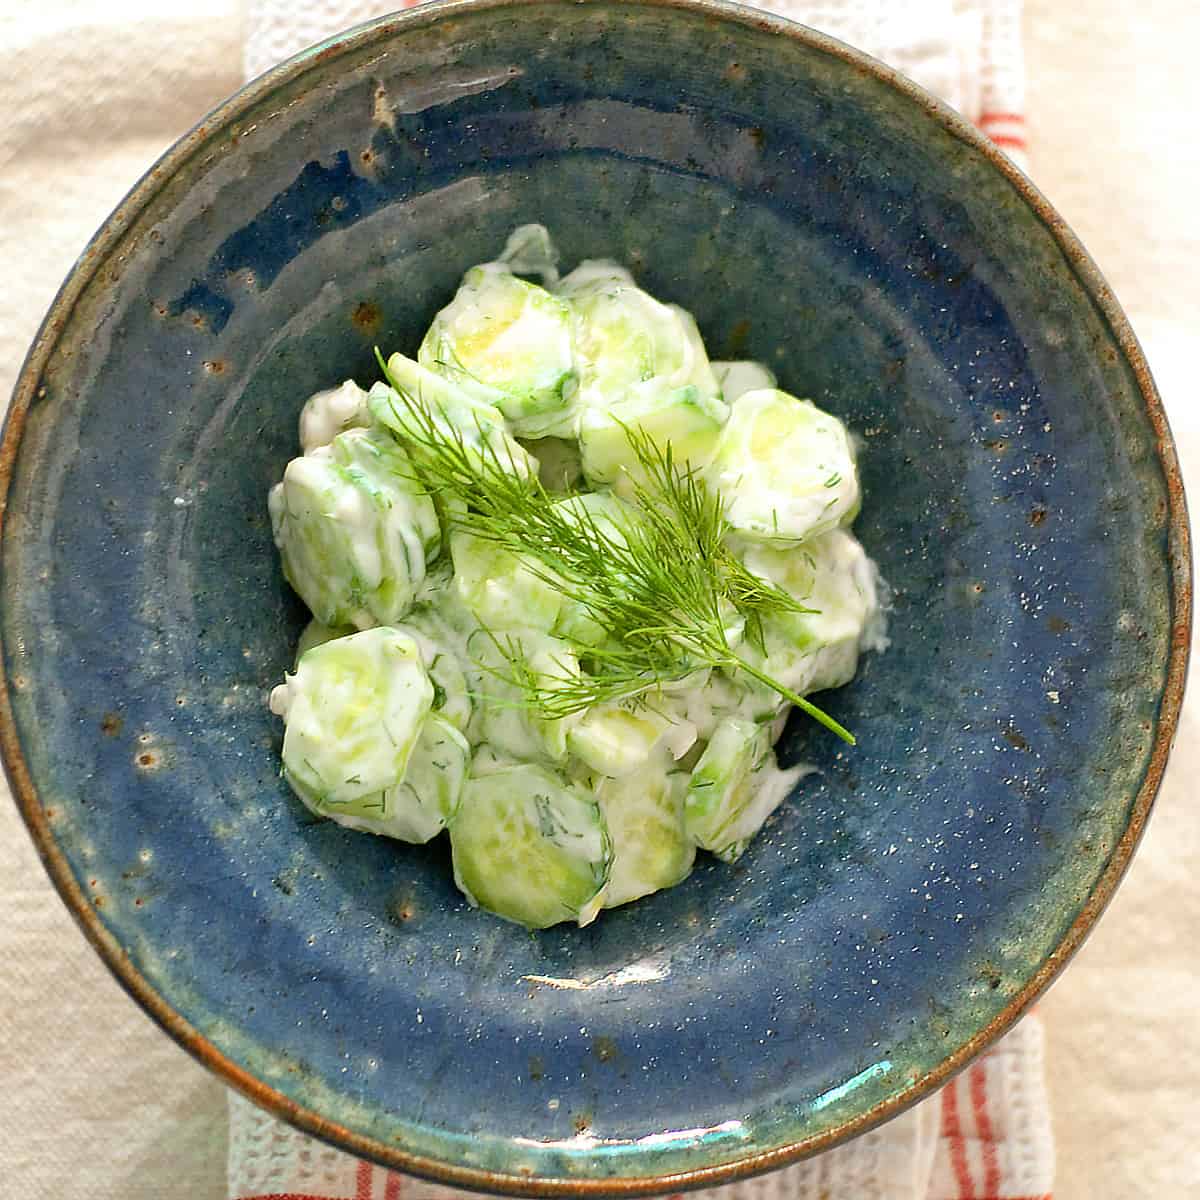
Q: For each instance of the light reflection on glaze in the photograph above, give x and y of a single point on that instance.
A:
(639, 972)
(671, 1138)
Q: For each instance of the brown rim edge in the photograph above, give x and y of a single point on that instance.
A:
(1179, 552)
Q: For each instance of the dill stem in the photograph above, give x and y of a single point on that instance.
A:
(817, 714)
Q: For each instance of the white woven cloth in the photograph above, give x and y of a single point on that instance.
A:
(986, 1136)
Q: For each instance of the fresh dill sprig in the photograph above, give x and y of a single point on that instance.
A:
(664, 589)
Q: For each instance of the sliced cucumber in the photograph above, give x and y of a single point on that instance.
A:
(477, 425)
(315, 634)
(720, 788)
(832, 575)
(513, 338)
(354, 530)
(685, 419)
(411, 532)
(644, 812)
(768, 787)
(785, 468)
(627, 343)
(617, 739)
(443, 650)
(354, 709)
(530, 847)
(737, 378)
(500, 588)
(426, 800)
(505, 717)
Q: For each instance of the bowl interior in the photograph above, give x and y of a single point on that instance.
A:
(813, 216)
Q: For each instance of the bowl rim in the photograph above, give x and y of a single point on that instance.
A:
(1178, 551)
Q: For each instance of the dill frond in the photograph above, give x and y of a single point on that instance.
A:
(664, 587)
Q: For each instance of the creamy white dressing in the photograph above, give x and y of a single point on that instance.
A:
(417, 724)
(326, 414)
(737, 378)
(770, 787)
(786, 468)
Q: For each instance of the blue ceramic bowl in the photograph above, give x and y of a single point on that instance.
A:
(1022, 496)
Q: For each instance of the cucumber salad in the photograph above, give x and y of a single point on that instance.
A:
(567, 578)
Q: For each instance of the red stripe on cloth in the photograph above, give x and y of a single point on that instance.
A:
(288, 1196)
(364, 1182)
(1004, 139)
(983, 1125)
(955, 1144)
(988, 117)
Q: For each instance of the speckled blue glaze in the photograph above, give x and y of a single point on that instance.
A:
(812, 216)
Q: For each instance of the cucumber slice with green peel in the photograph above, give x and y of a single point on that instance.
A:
(500, 588)
(451, 688)
(832, 575)
(721, 784)
(785, 468)
(354, 709)
(418, 808)
(427, 799)
(617, 739)
(478, 426)
(531, 847)
(735, 379)
(504, 716)
(329, 413)
(413, 534)
(353, 529)
(768, 787)
(443, 650)
(315, 634)
(651, 847)
(686, 419)
(509, 341)
(626, 342)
